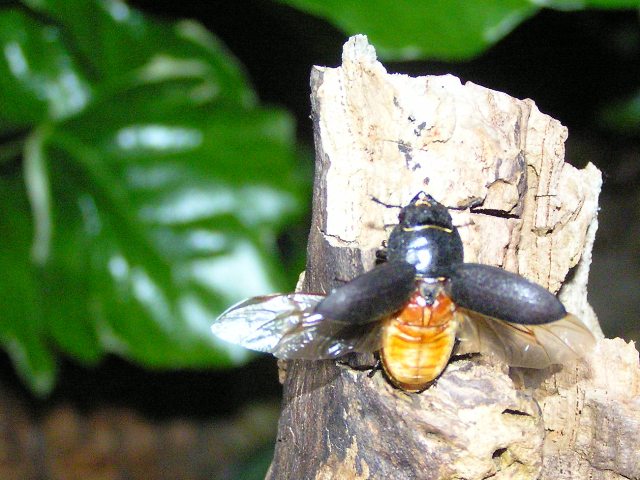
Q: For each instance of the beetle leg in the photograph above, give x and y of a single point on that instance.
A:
(375, 368)
(382, 254)
(359, 362)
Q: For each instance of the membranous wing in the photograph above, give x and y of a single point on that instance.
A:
(531, 346)
(259, 323)
(506, 315)
(288, 327)
(306, 326)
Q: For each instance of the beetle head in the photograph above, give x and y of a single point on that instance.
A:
(425, 210)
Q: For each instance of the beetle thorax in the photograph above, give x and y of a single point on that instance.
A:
(431, 249)
(426, 238)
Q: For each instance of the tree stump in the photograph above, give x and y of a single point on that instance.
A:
(390, 136)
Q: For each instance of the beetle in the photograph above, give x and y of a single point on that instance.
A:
(417, 308)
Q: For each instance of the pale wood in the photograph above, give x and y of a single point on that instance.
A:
(390, 136)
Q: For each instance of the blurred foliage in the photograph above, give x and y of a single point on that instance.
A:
(623, 115)
(437, 29)
(149, 193)
(257, 465)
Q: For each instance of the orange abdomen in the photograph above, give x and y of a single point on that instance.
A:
(417, 343)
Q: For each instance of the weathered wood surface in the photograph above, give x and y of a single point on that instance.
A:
(390, 136)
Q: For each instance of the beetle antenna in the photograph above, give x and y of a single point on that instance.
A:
(467, 224)
(474, 203)
(386, 205)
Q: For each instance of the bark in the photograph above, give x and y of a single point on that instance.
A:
(390, 136)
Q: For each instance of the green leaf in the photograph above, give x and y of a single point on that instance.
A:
(584, 4)
(52, 56)
(447, 30)
(22, 319)
(38, 77)
(154, 203)
(168, 221)
(119, 40)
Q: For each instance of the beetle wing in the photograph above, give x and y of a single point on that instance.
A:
(288, 327)
(313, 327)
(259, 323)
(349, 318)
(531, 346)
(500, 294)
(318, 337)
(371, 296)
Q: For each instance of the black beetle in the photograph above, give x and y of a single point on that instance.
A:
(417, 308)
